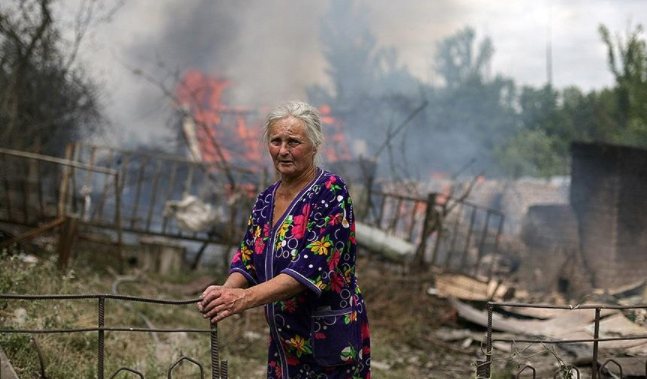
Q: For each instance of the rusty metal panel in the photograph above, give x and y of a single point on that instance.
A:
(151, 180)
(451, 234)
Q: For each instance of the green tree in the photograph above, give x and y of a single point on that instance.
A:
(628, 62)
(470, 113)
(45, 99)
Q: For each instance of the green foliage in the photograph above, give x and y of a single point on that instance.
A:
(531, 153)
(550, 120)
(45, 100)
(472, 116)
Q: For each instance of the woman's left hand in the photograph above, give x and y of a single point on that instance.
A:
(221, 302)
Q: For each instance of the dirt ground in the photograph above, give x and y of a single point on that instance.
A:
(405, 322)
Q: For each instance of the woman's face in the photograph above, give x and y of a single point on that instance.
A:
(291, 150)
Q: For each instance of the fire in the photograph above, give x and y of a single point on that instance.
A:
(336, 146)
(222, 133)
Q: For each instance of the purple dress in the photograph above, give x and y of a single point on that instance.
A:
(322, 332)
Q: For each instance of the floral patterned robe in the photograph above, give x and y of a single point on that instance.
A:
(322, 332)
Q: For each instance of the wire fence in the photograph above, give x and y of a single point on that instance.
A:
(219, 367)
(484, 367)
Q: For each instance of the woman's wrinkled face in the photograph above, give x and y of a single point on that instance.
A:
(291, 150)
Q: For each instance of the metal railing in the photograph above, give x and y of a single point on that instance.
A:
(218, 368)
(449, 233)
(484, 368)
(150, 181)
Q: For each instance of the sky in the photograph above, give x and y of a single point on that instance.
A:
(270, 50)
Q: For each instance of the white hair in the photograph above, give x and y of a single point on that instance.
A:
(299, 110)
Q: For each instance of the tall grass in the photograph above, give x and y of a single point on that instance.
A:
(75, 355)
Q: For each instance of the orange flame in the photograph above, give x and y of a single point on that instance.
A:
(337, 146)
(223, 132)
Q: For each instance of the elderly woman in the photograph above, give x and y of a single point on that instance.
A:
(297, 258)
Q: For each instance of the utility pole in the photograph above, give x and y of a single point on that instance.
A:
(549, 47)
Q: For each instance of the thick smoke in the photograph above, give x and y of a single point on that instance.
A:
(273, 50)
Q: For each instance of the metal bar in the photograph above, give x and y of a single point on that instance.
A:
(32, 233)
(215, 355)
(153, 196)
(467, 239)
(482, 243)
(138, 190)
(224, 374)
(596, 335)
(412, 221)
(488, 351)
(169, 194)
(88, 177)
(175, 158)
(396, 215)
(41, 204)
(452, 246)
(7, 189)
(203, 238)
(611, 361)
(127, 370)
(534, 373)
(422, 247)
(104, 194)
(547, 341)
(63, 187)
(219, 370)
(101, 337)
(61, 161)
(378, 222)
(496, 245)
(571, 307)
(105, 329)
(120, 246)
(97, 296)
(179, 361)
(25, 200)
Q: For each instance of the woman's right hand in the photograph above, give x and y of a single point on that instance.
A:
(219, 302)
(200, 304)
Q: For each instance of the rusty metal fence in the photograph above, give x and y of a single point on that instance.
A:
(449, 233)
(34, 186)
(219, 368)
(484, 367)
(150, 181)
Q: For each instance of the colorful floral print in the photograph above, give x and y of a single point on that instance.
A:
(322, 332)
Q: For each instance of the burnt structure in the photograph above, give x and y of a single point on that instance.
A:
(608, 188)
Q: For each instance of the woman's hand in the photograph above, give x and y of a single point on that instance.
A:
(219, 302)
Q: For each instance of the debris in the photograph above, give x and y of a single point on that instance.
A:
(562, 326)
(191, 213)
(386, 245)
(467, 288)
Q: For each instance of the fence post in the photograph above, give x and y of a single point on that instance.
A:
(66, 240)
(596, 335)
(215, 358)
(102, 311)
(426, 230)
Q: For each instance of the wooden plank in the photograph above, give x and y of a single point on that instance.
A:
(66, 240)
(33, 233)
(573, 320)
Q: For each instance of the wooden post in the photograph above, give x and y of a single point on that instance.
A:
(66, 240)
(427, 228)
